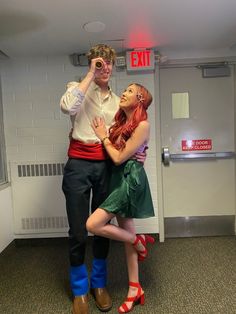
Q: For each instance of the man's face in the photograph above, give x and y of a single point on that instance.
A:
(105, 73)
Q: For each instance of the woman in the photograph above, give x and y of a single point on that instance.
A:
(130, 195)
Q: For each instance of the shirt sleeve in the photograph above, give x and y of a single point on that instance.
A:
(72, 99)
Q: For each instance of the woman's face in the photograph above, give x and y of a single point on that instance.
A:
(128, 98)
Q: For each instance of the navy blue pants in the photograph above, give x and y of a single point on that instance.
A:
(81, 177)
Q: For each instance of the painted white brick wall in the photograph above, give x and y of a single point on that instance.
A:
(34, 125)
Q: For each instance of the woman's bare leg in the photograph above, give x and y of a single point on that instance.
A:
(97, 224)
(131, 257)
(131, 254)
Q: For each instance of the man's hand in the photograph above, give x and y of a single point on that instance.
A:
(97, 70)
(141, 157)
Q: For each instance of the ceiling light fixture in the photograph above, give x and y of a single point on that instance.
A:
(94, 27)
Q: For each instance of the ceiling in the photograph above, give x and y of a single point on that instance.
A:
(175, 28)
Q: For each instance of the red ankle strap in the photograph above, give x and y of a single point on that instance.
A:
(134, 284)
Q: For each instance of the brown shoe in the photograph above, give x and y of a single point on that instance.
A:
(102, 299)
(80, 304)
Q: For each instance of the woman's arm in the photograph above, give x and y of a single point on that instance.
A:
(138, 137)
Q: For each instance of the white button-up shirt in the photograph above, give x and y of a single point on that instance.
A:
(84, 108)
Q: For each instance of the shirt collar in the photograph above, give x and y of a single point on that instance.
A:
(97, 88)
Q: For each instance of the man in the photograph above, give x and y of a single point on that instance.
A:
(86, 171)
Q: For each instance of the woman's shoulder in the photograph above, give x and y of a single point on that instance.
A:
(144, 124)
(143, 129)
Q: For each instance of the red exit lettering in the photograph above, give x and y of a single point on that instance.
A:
(140, 59)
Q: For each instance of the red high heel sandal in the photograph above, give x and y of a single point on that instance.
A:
(138, 299)
(144, 239)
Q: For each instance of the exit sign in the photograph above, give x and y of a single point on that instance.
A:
(140, 60)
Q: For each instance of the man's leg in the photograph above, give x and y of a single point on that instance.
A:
(77, 193)
(98, 280)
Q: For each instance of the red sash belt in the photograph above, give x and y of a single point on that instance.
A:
(79, 149)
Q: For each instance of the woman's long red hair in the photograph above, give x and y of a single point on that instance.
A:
(122, 129)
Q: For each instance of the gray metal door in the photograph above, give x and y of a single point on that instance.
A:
(197, 134)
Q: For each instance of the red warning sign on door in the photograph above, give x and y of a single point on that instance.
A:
(192, 145)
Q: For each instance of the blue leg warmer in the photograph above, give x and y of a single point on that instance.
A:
(79, 280)
(99, 273)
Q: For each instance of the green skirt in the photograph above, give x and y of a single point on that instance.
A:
(129, 190)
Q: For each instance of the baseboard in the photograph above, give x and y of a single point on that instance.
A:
(196, 226)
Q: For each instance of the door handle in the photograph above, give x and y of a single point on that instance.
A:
(167, 157)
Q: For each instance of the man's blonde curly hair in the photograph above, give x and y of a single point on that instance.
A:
(102, 51)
